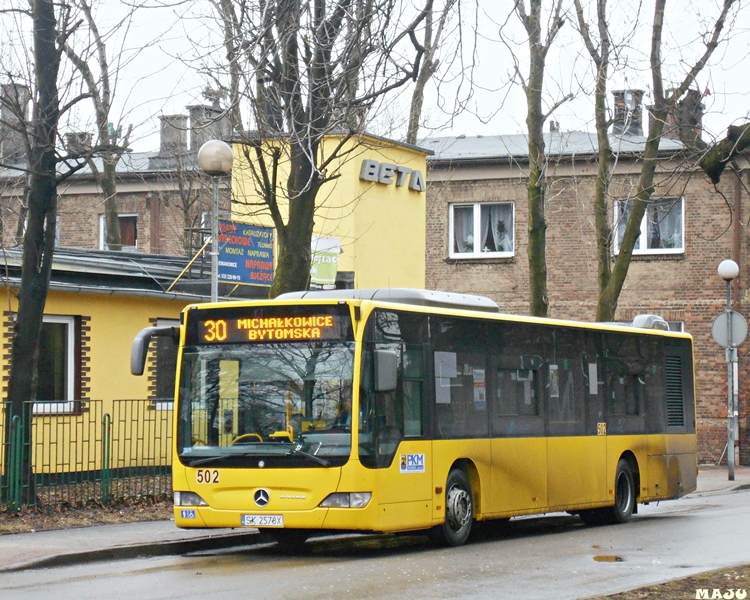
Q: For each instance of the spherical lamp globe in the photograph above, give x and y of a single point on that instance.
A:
(215, 158)
(728, 270)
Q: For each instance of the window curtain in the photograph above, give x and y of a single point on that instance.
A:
(665, 224)
(624, 208)
(463, 229)
(497, 227)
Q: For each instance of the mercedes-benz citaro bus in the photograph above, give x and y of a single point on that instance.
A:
(398, 410)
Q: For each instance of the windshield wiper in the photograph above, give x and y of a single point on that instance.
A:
(317, 459)
(218, 457)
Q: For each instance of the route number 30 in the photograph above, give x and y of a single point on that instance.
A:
(207, 476)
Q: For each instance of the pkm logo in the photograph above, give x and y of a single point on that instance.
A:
(412, 463)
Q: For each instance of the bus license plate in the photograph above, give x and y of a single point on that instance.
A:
(262, 520)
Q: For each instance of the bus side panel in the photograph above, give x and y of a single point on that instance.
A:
(576, 471)
(672, 464)
(356, 478)
(405, 488)
(519, 475)
(477, 452)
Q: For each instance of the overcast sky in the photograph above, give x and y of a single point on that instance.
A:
(156, 75)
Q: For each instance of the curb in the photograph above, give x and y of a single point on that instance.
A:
(201, 544)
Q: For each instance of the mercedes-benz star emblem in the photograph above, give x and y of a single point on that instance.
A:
(261, 497)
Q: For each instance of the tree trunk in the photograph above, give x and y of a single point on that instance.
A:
(600, 55)
(609, 295)
(39, 239)
(109, 189)
(537, 225)
(293, 265)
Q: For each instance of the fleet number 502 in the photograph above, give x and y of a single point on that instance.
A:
(207, 476)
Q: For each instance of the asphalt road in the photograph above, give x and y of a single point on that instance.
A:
(554, 557)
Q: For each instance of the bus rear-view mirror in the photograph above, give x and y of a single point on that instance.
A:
(386, 370)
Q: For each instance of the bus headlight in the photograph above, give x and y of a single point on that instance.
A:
(188, 499)
(347, 500)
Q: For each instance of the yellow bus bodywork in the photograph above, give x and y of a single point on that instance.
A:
(510, 477)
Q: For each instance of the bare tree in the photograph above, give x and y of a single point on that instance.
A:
(720, 154)
(111, 143)
(533, 87)
(54, 91)
(664, 102)
(433, 38)
(307, 70)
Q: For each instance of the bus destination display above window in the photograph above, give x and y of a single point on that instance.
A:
(272, 326)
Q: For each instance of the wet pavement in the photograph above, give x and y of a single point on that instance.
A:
(159, 538)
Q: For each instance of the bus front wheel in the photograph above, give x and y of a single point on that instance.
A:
(459, 510)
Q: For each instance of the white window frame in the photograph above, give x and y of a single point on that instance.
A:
(103, 231)
(477, 220)
(68, 405)
(644, 229)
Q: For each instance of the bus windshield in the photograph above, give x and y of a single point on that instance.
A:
(266, 404)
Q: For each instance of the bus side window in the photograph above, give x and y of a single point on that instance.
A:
(460, 365)
(566, 397)
(515, 384)
(388, 417)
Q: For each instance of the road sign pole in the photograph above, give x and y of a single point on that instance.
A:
(731, 362)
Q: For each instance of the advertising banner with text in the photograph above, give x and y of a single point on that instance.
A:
(245, 253)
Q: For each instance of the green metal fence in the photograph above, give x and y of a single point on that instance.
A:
(77, 455)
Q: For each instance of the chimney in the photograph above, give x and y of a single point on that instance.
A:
(628, 112)
(685, 120)
(206, 123)
(78, 142)
(14, 115)
(173, 135)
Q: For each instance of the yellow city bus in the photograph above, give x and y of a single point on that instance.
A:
(400, 410)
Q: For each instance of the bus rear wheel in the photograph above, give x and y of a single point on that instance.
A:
(625, 498)
(459, 510)
(625, 494)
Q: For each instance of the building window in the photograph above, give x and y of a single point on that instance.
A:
(56, 373)
(128, 232)
(662, 227)
(481, 230)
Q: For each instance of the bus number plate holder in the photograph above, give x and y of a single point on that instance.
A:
(262, 520)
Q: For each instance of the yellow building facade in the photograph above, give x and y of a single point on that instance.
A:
(375, 206)
(93, 422)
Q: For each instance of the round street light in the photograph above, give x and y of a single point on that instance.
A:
(729, 330)
(215, 158)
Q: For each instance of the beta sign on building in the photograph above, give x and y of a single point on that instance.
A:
(245, 253)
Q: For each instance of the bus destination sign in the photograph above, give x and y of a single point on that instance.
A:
(270, 329)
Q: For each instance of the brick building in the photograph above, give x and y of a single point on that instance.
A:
(162, 196)
(476, 234)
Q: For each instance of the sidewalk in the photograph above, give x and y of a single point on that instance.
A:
(159, 538)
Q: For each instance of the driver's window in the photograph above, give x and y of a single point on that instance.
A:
(388, 417)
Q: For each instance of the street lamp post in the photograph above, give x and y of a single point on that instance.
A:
(728, 271)
(215, 158)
